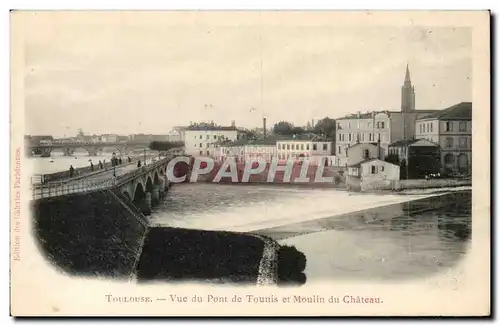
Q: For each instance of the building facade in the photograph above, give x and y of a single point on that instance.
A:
(386, 126)
(451, 129)
(247, 150)
(416, 157)
(310, 149)
(202, 140)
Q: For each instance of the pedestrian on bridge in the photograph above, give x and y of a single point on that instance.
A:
(129, 159)
(100, 165)
(120, 161)
(91, 167)
(71, 171)
(139, 163)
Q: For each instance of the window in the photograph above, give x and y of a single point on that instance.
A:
(201, 145)
(382, 168)
(307, 147)
(288, 146)
(339, 126)
(380, 124)
(367, 154)
(315, 147)
(428, 128)
(208, 153)
(201, 152)
(462, 142)
(208, 145)
(448, 126)
(449, 142)
(373, 169)
(301, 147)
(194, 145)
(340, 150)
(431, 126)
(215, 137)
(293, 147)
(325, 147)
(349, 137)
(462, 126)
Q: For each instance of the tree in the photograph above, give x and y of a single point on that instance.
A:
(165, 145)
(283, 128)
(326, 127)
(297, 131)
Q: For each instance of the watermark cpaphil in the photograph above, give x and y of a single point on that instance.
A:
(229, 168)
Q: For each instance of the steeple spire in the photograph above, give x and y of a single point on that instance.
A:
(407, 75)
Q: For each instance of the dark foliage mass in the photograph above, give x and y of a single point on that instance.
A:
(164, 145)
(291, 265)
(175, 254)
(88, 234)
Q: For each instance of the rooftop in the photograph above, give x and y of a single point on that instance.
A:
(460, 111)
(357, 165)
(369, 115)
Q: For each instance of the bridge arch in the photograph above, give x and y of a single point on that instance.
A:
(156, 178)
(139, 193)
(149, 184)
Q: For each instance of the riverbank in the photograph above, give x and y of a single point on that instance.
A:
(101, 234)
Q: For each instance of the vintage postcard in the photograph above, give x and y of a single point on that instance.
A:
(250, 163)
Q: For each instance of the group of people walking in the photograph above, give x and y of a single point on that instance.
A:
(101, 165)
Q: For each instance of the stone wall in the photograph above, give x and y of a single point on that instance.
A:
(413, 184)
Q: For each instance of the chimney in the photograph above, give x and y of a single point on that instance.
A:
(265, 127)
(233, 123)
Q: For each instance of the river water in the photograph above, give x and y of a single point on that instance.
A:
(58, 162)
(325, 224)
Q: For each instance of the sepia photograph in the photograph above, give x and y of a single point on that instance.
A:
(261, 157)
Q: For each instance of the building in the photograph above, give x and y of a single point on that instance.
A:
(244, 150)
(388, 126)
(311, 149)
(451, 129)
(362, 151)
(372, 173)
(203, 139)
(109, 138)
(416, 157)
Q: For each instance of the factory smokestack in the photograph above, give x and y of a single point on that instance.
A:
(265, 127)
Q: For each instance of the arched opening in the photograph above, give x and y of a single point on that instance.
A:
(126, 194)
(156, 179)
(149, 185)
(449, 162)
(463, 163)
(139, 194)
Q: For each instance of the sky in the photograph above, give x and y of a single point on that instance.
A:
(141, 73)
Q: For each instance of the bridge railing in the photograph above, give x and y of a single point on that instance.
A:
(52, 189)
(142, 170)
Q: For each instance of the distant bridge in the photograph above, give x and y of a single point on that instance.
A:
(45, 148)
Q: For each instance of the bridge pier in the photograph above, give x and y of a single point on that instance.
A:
(146, 205)
(161, 188)
(155, 196)
(67, 152)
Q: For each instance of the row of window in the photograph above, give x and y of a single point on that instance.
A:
(379, 125)
(426, 127)
(449, 142)
(207, 137)
(360, 136)
(462, 126)
(300, 147)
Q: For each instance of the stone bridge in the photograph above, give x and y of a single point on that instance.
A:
(93, 148)
(145, 186)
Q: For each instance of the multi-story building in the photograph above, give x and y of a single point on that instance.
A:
(313, 150)
(451, 129)
(245, 150)
(203, 139)
(386, 126)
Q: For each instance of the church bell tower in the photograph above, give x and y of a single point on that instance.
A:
(407, 94)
